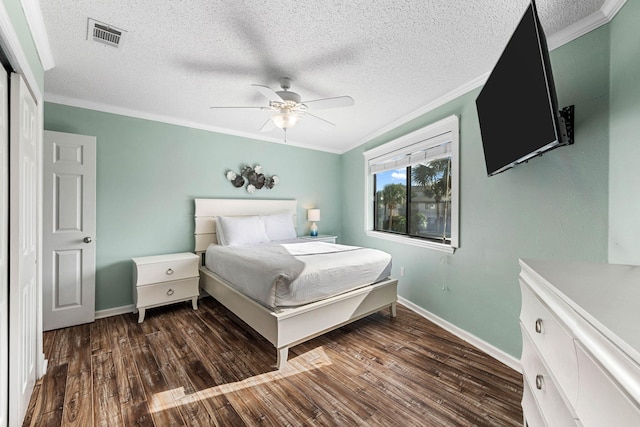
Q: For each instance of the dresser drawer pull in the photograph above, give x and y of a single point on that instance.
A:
(169, 272)
(539, 326)
(170, 292)
(539, 382)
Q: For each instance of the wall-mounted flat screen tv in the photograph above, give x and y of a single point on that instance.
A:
(517, 107)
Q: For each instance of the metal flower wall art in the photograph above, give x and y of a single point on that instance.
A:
(253, 177)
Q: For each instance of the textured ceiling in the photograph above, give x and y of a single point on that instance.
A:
(180, 57)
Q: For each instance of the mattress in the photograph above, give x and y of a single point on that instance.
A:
(295, 273)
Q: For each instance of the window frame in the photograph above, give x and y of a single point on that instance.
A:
(420, 139)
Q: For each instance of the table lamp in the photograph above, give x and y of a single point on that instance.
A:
(313, 215)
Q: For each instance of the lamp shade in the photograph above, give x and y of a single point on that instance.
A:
(313, 215)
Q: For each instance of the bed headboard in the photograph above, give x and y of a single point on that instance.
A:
(208, 209)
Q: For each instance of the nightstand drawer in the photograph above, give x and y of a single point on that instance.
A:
(166, 292)
(165, 270)
(552, 340)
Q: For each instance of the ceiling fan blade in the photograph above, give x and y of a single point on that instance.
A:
(268, 93)
(267, 126)
(255, 108)
(338, 101)
(322, 123)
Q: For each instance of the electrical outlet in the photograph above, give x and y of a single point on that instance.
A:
(402, 271)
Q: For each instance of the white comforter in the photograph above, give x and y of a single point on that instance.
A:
(291, 274)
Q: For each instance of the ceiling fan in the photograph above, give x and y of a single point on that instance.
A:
(287, 108)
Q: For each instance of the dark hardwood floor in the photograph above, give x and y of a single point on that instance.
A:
(205, 368)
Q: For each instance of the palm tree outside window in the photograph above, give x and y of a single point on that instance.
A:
(415, 201)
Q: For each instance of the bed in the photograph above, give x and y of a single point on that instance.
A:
(283, 326)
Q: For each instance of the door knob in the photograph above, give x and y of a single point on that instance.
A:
(87, 239)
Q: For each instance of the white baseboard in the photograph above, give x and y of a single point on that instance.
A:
(491, 350)
(43, 364)
(100, 314)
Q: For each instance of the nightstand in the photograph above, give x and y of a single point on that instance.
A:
(165, 279)
(321, 238)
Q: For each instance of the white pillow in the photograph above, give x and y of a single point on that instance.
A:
(240, 230)
(219, 234)
(279, 227)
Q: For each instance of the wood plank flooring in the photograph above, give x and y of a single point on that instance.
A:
(204, 367)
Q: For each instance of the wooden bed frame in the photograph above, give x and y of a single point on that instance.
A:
(286, 327)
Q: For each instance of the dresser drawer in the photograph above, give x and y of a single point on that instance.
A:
(543, 388)
(530, 410)
(165, 270)
(163, 293)
(552, 340)
(601, 402)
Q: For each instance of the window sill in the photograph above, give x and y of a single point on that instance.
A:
(410, 241)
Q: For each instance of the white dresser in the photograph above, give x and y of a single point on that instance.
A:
(165, 279)
(581, 343)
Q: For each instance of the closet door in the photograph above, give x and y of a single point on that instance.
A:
(23, 247)
(4, 271)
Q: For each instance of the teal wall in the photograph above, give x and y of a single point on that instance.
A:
(555, 206)
(149, 173)
(624, 173)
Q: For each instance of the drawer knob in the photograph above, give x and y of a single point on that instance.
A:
(169, 272)
(539, 326)
(539, 381)
(170, 292)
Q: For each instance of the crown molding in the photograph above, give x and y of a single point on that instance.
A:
(456, 93)
(597, 19)
(578, 29)
(33, 13)
(106, 108)
(611, 7)
(601, 17)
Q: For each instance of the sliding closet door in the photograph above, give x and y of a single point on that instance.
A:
(23, 246)
(4, 271)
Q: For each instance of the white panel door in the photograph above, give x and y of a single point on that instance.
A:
(4, 271)
(23, 246)
(69, 227)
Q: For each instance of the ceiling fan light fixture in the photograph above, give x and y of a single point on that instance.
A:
(285, 119)
(286, 108)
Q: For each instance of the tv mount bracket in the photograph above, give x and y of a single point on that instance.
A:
(565, 117)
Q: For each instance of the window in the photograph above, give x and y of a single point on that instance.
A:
(415, 201)
(412, 187)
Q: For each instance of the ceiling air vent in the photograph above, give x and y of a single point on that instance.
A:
(105, 33)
